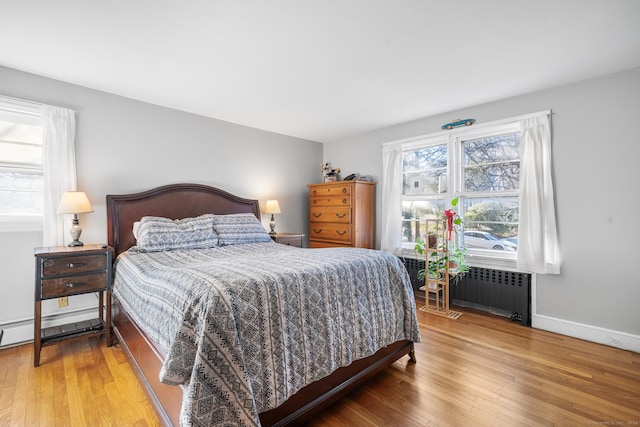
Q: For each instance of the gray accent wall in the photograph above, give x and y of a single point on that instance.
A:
(596, 162)
(125, 146)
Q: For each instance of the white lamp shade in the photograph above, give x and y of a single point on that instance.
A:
(272, 207)
(74, 202)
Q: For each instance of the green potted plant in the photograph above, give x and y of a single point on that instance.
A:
(455, 257)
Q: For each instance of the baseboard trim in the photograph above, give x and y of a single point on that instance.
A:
(21, 331)
(622, 340)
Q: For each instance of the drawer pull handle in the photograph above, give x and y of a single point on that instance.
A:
(344, 189)
(344, 201)
(75, 285)
(341, 216)
(314, 192)
(317, 231)
(317, 215)
(341, 233)
(76, 264)
(315, 201)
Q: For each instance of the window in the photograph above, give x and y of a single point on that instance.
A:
(480, 166)
(501, 175)
(21, 167)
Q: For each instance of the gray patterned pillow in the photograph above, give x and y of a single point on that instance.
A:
(155, 234)
(240, 228)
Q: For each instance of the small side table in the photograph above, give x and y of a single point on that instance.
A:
(291, 239)
(62, 271)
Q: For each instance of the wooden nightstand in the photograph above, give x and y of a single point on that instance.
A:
(291, 239)
(62, 271)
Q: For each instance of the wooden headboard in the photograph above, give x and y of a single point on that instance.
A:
(174, 201)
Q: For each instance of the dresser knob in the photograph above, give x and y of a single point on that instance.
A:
(315, 201)
(344, 201)
(76, 264)
(75, 285)
(344, 189)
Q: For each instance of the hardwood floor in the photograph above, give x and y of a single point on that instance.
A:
(478, 370)
(79, 383)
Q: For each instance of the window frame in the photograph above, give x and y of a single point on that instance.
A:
(455, 139)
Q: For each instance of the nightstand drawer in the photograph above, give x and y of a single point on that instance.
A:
(73, 264)
(63, 286)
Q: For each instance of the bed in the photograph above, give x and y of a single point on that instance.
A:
(307, 393)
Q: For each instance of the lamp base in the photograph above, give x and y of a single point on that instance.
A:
(75, 232)
(272, 225)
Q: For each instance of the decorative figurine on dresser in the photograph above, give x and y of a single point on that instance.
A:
(342, 214)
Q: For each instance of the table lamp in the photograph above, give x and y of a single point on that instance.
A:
(75, 202)
(272, 207)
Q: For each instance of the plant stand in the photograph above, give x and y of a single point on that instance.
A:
(437, 265)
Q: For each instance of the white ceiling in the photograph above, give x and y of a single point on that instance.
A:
(319, 69)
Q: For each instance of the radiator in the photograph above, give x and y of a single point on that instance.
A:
(505, 293)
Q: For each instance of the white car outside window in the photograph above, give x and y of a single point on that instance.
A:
(484, 240)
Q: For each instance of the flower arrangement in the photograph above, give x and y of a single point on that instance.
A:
(329, 174)
(451, 216)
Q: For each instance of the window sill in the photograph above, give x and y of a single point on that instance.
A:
(488, 261)
(476, 259)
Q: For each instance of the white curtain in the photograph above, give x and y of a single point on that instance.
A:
(59, 161)
(537, 236)
(391, 197)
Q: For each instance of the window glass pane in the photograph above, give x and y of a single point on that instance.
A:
(422, 169)
(414, 214)
(21, 203)
(21, 167)
(491, 223)
(21, 193)
(17, 180)
(492, 163)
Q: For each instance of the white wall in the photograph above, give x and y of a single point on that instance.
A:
(596, 156)
(124, 146)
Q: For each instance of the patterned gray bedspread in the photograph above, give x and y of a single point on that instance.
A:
(244, 327)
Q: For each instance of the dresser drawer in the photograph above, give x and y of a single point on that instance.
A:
(323, 244)
(330, 190)
(63, 286)
(73, 264)
(334, 232)
(337, 214)
(331, 201)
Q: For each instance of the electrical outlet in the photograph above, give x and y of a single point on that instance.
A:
(63, 302)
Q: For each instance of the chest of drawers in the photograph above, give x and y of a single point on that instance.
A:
(342, 214)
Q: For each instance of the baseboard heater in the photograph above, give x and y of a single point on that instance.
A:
(504, 293)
